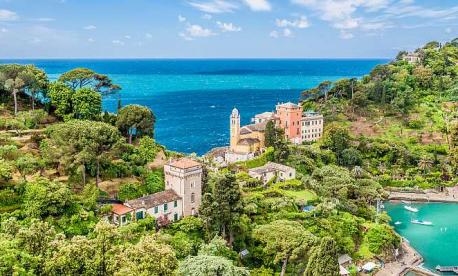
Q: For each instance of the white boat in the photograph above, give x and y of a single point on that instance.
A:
(405, 201)
(397, 223)
(421, 222)
(411, 209)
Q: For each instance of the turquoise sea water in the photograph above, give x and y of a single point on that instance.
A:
(438, 244)
(192, 99)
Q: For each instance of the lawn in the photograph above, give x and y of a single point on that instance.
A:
(301, 196)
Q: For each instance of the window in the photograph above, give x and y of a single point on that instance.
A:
(139, 215)
(123, 219)
(156, 209)
(193, 198)
(166, 207)
(193, 184)
(175, 204)
(193, 211)
(175, 216)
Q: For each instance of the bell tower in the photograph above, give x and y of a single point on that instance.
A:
(235, 128)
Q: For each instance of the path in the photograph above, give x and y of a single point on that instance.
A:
(450, 195)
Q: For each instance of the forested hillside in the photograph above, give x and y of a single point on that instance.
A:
(62, 159)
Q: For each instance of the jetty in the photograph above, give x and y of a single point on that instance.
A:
(453, 269)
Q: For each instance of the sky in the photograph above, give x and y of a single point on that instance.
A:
(222, 28)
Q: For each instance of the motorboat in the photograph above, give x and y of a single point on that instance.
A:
(397, 223)
(421, 222)
(411, 209)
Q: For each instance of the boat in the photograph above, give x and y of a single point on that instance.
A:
(411, 209)
(397, 223)
(405, 201)
(421, 222)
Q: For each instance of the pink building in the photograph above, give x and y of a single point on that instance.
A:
(289, 117)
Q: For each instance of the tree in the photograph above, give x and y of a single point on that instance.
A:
(336, 138)
(217, 247)
(136, 120)
(6, 170)
(221, 209)
(323, 260)
(270, 134)
(77, 78)
(61, 99)
(79, 143)
(147, 257)
(35, 82)
(14, 86)
(11, 82)
(104, 239)
(285, 240)
(73, 257)
(205, 265)
(425, 164)
(44, 198)
(87, 104)
(382, 239)
(351, 157)
(28, 164)
(324, 89)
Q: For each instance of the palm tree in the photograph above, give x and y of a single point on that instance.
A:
(425, 164)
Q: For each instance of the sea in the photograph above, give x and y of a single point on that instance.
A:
(438, 243)
(193, 98)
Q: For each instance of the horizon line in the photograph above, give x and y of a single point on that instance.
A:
(194, 58)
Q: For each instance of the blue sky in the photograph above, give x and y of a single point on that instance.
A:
(221, 28)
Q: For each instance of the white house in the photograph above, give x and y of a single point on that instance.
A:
(311, 126)
(166, 204)
(181, 198)
(272, 170)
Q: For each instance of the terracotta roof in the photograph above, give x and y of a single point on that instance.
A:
(184, 163)
(120, 209)
(248, 141)
(253, 128)
(153, 200)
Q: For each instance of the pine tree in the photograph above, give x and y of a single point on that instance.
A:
(323, 260)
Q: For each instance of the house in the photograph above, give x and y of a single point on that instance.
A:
(182, 196)
(273, 170)
(121, 214)
(345, 260)
(412, 58)
(264, 117)
(343, 271)
(311, 126)
(166, 204)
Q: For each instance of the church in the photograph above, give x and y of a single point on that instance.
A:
(245, 141)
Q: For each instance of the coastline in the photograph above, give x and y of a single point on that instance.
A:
(410, 261)
(449, 196)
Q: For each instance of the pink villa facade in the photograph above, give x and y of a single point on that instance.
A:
(289, 117)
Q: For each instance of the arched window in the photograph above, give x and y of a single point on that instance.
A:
(193, 197)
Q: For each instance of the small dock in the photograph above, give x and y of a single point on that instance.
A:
(453, 269)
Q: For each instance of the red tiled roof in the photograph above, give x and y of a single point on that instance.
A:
(184, 163)
(154, 200)
(120, 209)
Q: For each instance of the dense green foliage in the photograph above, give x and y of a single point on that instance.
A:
(394, 128)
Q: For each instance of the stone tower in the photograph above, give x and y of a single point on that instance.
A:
(184, 176)
(235, 128)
